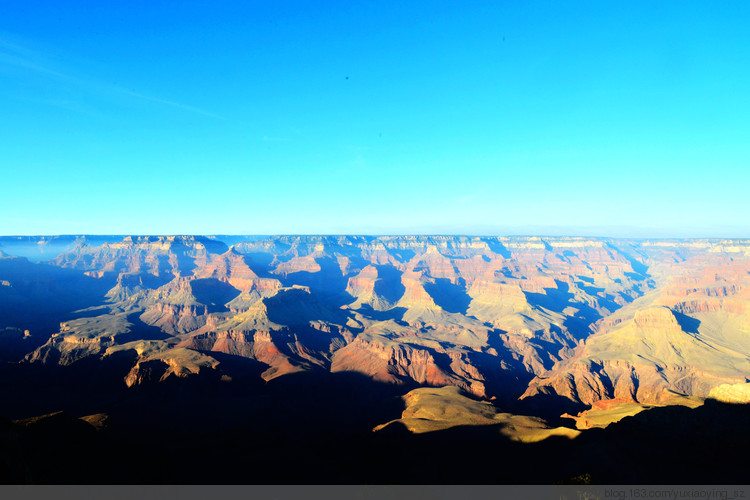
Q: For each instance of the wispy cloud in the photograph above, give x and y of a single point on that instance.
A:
(18, 220)
(16, 55)
(474, 196)
(67, 104)
(10, 59)
(167, 102)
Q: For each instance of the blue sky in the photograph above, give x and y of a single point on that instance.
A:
(601, 118)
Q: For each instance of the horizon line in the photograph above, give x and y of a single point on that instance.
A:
(373, 235)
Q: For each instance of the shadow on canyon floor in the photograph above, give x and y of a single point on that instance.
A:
(41, 296)
(316, 428)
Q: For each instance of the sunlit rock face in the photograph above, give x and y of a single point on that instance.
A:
(583, 319)
(687, 336)
(731, 393)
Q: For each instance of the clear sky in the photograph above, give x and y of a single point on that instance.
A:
(268, 117)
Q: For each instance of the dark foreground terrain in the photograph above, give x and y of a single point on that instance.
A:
(299, 438)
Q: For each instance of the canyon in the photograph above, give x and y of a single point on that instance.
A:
(546, 340)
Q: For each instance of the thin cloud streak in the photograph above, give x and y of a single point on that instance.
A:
(14, 55)
(18, 220)
(21, 62)
(168, 103)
